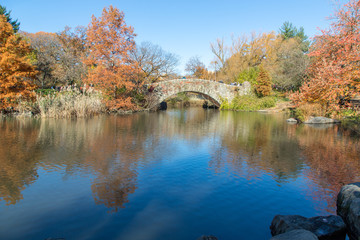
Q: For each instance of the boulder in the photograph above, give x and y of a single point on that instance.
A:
(291, 120)
(298, 234)
(348, 207)
(321, 120)
(324, 227)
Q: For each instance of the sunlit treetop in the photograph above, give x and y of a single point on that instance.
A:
(15, 24)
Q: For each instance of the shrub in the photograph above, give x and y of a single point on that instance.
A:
(307, 110)
(248, 103)
(249, 75)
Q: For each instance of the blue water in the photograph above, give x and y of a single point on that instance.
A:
(177, 174)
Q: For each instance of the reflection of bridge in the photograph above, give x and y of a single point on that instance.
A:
(214, 91)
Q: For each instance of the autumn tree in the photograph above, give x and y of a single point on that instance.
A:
(221, 52)
(249, 52)
(292, 62)
(70, 68)
(46, 48)
(154, 62)
(14, 23)
(196, 68)
(283, 55)
(59, 56)
(16, 72)
(334, 71)
(110, 42)
(263, 86)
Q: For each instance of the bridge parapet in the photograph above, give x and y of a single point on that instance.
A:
(214, 91)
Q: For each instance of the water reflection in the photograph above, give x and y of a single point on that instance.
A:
(332, 155)
(113, 150)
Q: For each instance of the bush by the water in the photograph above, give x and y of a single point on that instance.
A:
(249, 103)
(68, 102)
(305, 111)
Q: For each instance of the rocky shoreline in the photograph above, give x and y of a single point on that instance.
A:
(332, 227)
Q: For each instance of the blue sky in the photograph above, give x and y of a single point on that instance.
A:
(185, 27)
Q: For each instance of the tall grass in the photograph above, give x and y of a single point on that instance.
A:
(305, 111)
(69, 102)
(249, 103)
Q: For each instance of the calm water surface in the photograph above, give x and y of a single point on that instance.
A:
(169, 175)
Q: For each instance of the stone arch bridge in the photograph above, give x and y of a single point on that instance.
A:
(213, 91)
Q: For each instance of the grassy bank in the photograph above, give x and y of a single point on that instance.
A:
(249, 103)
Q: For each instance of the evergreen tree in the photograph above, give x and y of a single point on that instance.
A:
(15, 24)
(287, 31)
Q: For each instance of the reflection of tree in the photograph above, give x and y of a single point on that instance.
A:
(115, 157)
(112, 149)
(18, 149)
(333, 159)
(112, 189)
(259, 142)
(252, 144)
(108, 147)
(89, 146)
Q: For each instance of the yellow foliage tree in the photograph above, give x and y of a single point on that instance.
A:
(16, 72)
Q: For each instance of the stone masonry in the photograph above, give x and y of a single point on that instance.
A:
(214, 91)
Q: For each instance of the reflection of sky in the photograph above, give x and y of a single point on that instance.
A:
(199, 176)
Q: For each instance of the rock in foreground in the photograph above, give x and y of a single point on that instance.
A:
(324, 227)
(321, 120)
(348, 207)
(299, 234)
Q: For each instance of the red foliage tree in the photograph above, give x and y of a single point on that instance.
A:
(110, 42)
(335, 68)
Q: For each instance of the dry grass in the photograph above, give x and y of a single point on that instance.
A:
(69, 102)
(307, 110)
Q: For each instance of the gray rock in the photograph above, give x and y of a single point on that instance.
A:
(324, 227)
(321, 120)
(207, 238)
(348, 207)
(291, 120)
(298, 234)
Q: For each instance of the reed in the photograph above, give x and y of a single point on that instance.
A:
(70, 101)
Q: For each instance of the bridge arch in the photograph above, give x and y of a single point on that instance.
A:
(214, 91)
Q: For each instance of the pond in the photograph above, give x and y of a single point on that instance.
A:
(176, 174)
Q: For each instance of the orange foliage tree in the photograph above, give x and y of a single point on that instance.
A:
(110, 42)
(334, 71)
(16, 71)
(263, 86)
